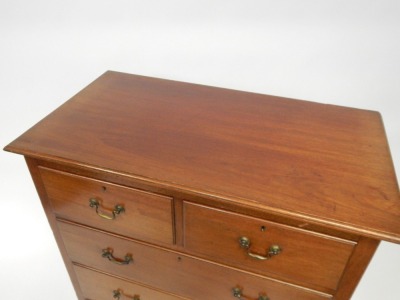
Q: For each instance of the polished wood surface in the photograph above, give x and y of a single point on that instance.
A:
(172, 271)
(196, 168)
(33, 166)
(326, 164)
(356, 267)
(311, 259)
(147, 216)
(99, 286)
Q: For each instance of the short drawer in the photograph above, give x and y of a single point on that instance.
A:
(118, 209)
(266, 248)
(98, 286)
(171, 271)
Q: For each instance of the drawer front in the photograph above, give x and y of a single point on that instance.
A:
(145, 215)
(170, 271)
(314, 260)
(97, 286)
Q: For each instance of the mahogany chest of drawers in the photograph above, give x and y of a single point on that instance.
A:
(157, 189)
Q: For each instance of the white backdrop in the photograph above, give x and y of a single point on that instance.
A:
(338, 52)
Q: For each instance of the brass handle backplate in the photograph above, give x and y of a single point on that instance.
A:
(272, 251)
(117, 294)
(237, 292)
(93, 202)
(108, 253)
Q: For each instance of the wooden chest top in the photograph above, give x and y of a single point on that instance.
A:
(325, 164)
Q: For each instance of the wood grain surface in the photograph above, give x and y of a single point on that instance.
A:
(146, 216)
(312, 260)
(171, 271)
(327, 164)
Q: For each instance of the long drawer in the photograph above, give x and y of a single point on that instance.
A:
(171, 271)
(122, 210)
(98, 286)
(267, 248)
